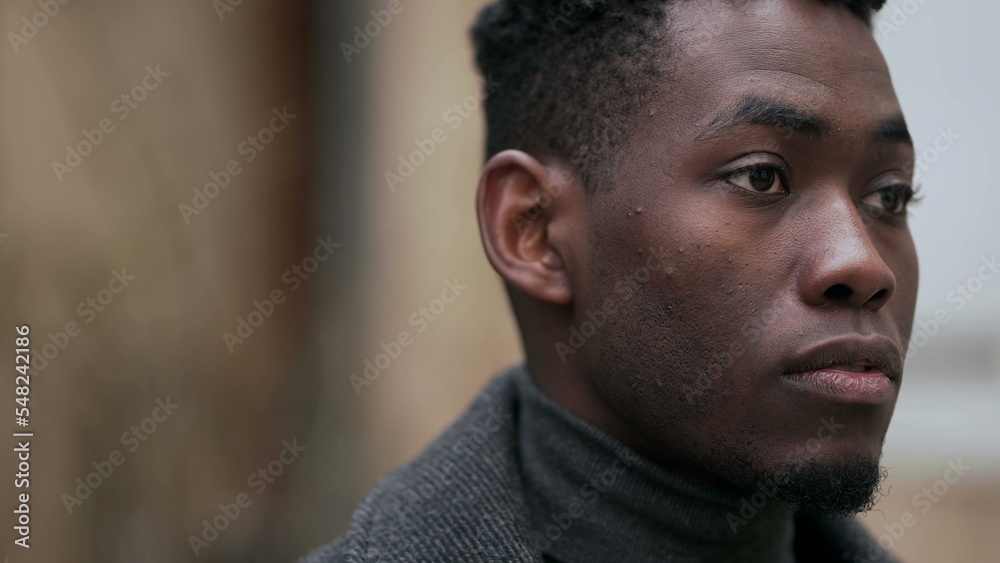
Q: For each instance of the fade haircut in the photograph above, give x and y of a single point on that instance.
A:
(574, 73)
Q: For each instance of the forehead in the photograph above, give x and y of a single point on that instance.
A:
(816, 56)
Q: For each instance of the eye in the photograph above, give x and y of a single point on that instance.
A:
(759, 178)
(889, 200)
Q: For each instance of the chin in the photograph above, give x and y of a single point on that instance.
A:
(839, 478)
(828, 488)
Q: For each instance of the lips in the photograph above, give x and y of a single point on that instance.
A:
(852, 370)
(862, 366)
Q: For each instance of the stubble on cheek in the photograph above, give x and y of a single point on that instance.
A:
(672, 360)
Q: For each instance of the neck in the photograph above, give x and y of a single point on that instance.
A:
(592, 498)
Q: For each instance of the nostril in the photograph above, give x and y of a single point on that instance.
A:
(838, 292)
(879, 296)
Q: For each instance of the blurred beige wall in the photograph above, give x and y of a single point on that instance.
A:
(198, 86)
(426, 232)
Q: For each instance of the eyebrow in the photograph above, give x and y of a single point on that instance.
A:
(758, 110)
(893, 130)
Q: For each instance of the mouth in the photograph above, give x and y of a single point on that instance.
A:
(848, 371)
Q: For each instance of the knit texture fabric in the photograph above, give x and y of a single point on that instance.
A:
(519, 478)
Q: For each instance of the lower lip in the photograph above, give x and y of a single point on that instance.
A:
(848, 387)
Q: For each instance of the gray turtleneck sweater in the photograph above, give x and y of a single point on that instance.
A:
(519, 478)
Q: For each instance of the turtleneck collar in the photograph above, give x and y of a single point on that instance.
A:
(591, 498)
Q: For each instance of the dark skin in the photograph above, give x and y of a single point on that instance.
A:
(763, 189)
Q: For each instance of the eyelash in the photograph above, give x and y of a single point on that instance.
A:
(780, 173)
(904, 191)
(909, 194)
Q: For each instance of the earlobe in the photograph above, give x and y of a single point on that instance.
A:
(525, 209)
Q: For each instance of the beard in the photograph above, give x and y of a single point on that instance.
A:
(817, 487)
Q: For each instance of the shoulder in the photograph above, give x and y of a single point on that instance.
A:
(460, 500)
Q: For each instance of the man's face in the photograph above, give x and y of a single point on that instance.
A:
(762, 191)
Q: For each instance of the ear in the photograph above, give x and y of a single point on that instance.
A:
(529, 214)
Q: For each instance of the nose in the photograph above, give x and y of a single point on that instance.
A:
(842, 265)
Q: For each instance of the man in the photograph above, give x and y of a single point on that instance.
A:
(699, 210)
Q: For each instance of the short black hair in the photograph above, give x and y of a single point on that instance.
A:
(573, 73)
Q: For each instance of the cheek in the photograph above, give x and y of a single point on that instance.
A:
(689, 286)
(902, 307)
(681, 344)
(901, 257)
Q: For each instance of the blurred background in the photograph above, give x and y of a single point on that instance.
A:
(197, 224)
